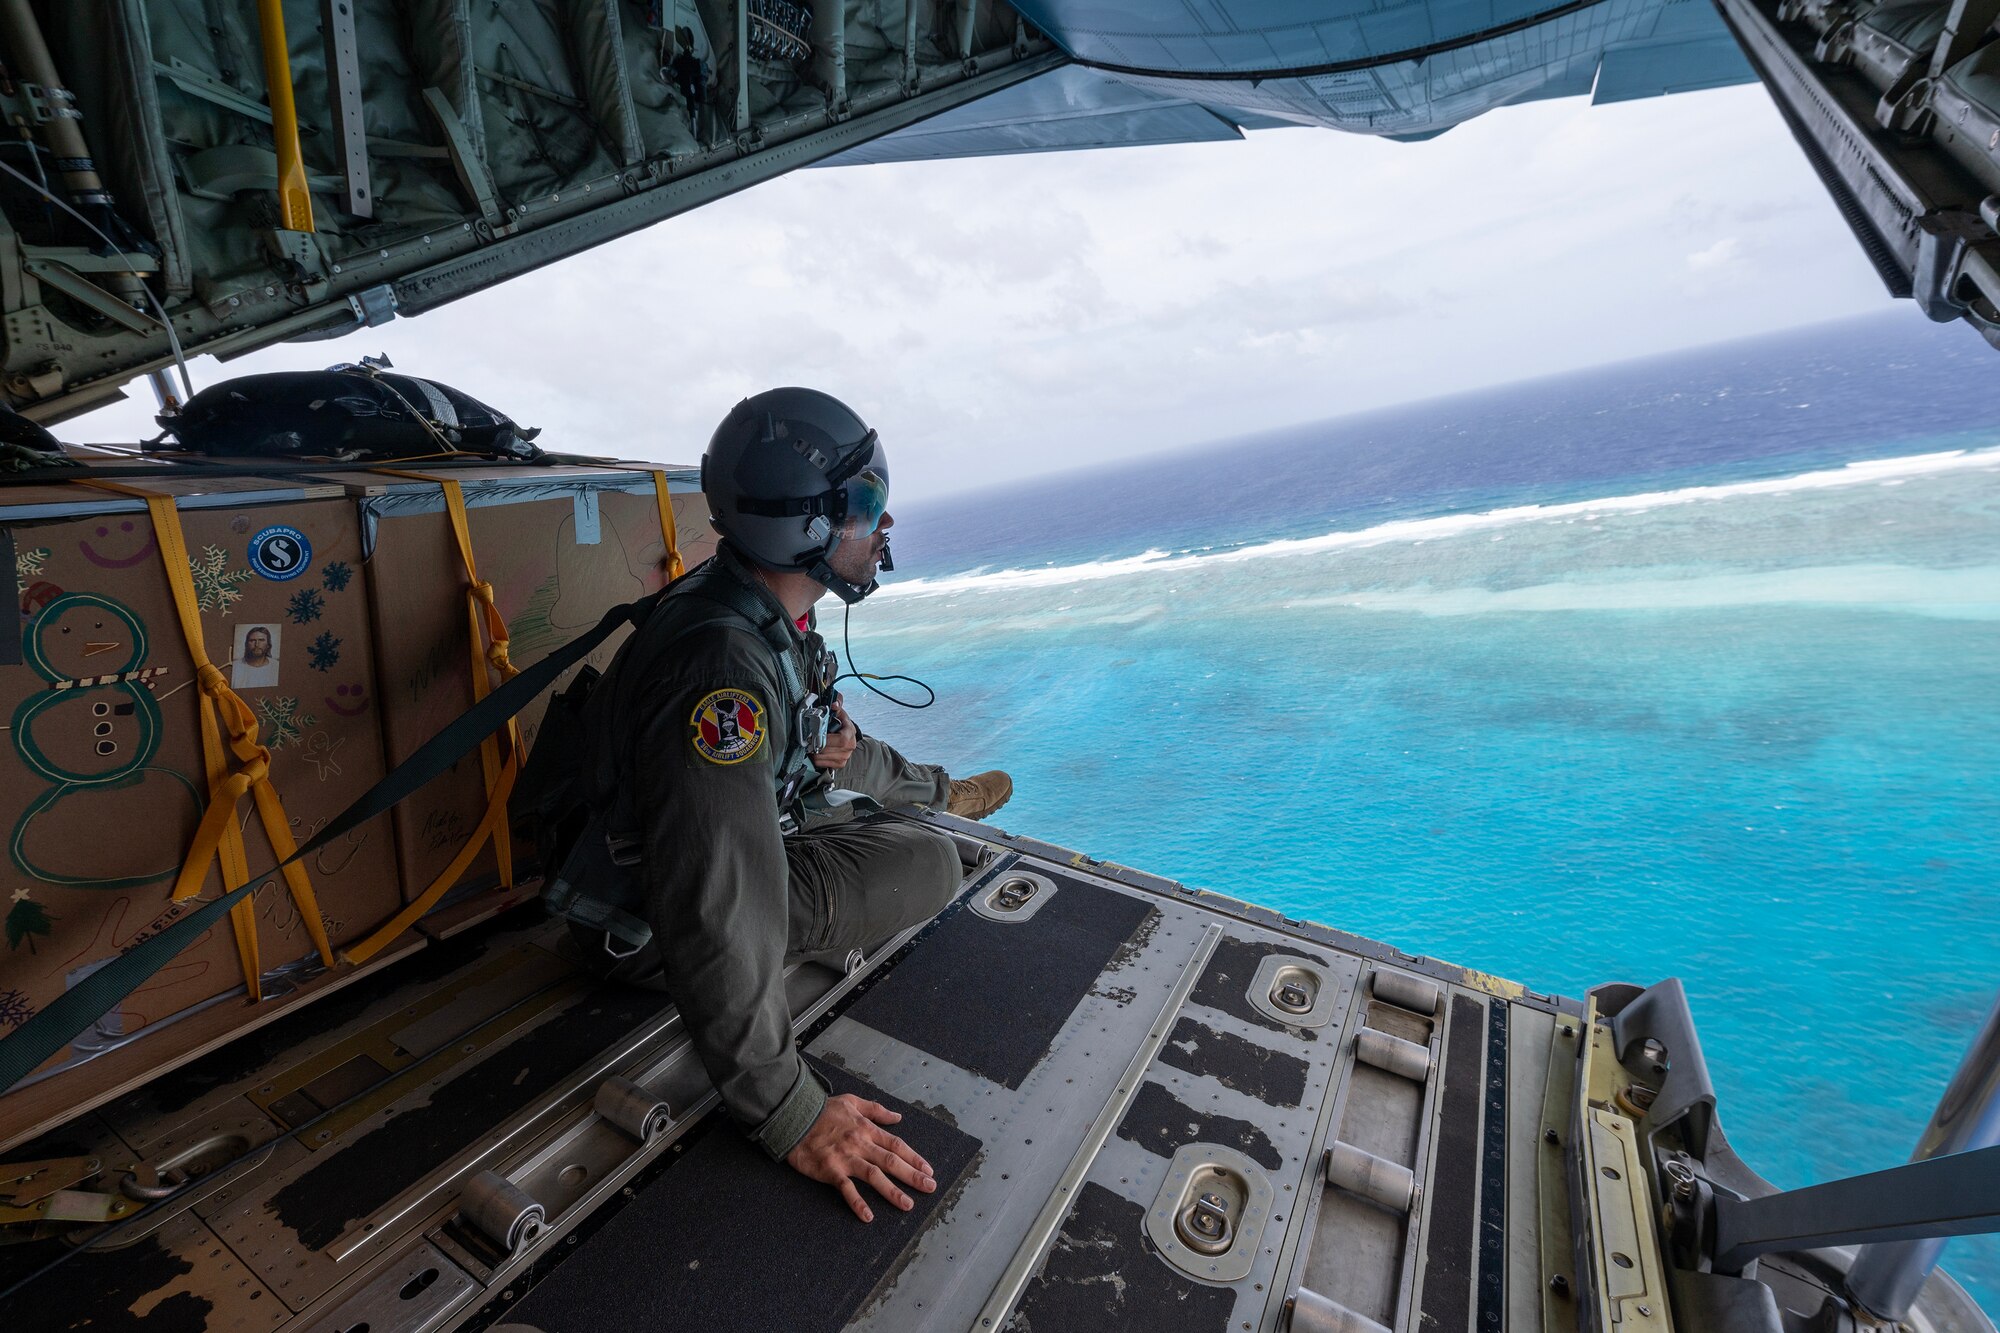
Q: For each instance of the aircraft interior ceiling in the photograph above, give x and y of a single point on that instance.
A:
(215, 178)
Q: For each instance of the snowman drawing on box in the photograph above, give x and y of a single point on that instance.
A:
(92, 733)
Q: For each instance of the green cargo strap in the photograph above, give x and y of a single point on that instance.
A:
(24, 1050)
(611, 902)
(776, 632)
(99, 993)
(592, 914)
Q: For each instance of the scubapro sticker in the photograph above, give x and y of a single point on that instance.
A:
(280, 553)
(728, 726)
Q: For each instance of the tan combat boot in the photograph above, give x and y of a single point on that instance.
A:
(979, 795)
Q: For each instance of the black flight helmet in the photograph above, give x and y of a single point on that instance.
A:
(789, 475)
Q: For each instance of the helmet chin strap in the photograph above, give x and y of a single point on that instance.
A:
(821, 572)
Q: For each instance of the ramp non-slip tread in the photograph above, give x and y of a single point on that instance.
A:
(1102, 1274)
(112, 1291)
(31, 1309)
(990, 997)
(727, 1239)
(1162, 1123)
(1447, 1296)
(1231, 969)
(1272, 1077)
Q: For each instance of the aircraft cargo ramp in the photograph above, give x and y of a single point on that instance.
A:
(1147, 1107)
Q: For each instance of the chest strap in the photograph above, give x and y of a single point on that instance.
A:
(723, 589)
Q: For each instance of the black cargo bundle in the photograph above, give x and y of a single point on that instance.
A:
(26, 445)
(346, 413)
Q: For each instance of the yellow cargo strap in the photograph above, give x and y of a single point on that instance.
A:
(295, 208)
(674, 566)
(488, 639)
(222, 709)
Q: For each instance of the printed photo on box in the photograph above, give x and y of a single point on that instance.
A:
(256, 659)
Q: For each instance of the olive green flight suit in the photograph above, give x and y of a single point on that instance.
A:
(703, 727)
(877, 771)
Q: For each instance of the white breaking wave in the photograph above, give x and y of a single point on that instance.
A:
(1949, 594)
(1879, 472)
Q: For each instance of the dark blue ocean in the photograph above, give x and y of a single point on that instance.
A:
(1685, 667)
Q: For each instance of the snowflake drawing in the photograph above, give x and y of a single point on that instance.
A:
(335, 576)
(14, 1008)
(284, 724)
(28, 565)
(214, 582)
(306, 604)
(324, 654)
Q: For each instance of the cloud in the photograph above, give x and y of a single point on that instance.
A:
(1720, 255)
(1003, 316)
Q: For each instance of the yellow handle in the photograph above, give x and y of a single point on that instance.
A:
(294, 199)
(674, 567)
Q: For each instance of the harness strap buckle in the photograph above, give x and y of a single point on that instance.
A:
(611, 947)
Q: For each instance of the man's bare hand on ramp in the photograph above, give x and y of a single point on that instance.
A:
(847, 1143)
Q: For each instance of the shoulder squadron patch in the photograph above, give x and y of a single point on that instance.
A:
(728, 726)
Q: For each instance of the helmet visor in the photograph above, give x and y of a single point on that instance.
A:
(867, 494)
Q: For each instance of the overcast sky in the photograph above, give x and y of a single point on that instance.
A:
(1008, 316)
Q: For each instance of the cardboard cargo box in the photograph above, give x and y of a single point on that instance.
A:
(103, 778)
(560, 546)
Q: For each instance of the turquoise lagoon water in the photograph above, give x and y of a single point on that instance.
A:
(1731, 719)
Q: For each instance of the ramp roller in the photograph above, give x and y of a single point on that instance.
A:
(1407, 992)
(1392, 1054)
(1373, 1178)
(632, 1109)
(501, 1211)
(1306, 1311)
